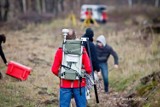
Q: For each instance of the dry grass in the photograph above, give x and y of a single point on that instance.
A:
(135, 58)
(35, 47)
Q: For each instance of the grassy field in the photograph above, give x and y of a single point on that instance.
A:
(35, 46)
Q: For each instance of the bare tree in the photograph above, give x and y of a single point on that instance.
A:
(4, 9)
(43, 6)
(31, 5)
(79, 2)
(49, 6)
(1, 11)
(55, 7)
(62, 5)
(130, 3)
(24, 6)
(156, 3)
(38, 6)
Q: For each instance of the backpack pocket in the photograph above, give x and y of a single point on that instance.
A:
(70, 75)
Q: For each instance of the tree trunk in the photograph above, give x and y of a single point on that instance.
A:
(156, 3)
(6, 10)
(55, 9)
(72, 5)
(24, 5)
(80, 2)
(44, 6)
(49, 6)
(38, 6)
(29, 5)
(62, 5)
(20, 5)
(0, 11)
(130, 3)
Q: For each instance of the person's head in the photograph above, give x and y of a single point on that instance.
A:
(2, 38)
(71, 35)
(101, 40)
(89, 34)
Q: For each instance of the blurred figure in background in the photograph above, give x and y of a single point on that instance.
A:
(104, 16)
(88, 14)
(89, 21)
(103, 53)
(2, 39)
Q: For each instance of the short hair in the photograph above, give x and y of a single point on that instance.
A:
(2, 38)
(71, 34)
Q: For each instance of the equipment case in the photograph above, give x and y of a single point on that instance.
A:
(18, 71)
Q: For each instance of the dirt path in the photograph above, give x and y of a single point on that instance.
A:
(110, 99)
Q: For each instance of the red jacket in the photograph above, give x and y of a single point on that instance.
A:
(88, 14)
(68, 83)
(104, 16)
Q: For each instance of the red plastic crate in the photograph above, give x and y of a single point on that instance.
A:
(18, 71)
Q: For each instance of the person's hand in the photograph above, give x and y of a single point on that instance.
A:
(115, 66)
(99, 75)
(7, 64)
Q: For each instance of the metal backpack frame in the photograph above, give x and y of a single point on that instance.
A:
(72, 55)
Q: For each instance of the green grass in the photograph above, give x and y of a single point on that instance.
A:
(10, 96)
(136, 60)
(122, 83)
(153, 99)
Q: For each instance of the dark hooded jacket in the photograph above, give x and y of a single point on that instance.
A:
(89, 34)
(1, 51)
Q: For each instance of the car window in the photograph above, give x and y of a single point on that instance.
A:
(100, 9)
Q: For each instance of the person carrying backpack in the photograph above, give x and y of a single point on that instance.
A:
(103, 52)
(2, 39)
(66, 67)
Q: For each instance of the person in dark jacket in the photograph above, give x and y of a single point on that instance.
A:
(90, 34)
(103, 52)
(2, 39)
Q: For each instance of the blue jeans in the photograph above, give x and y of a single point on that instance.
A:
(104, 71)
(67, 93)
